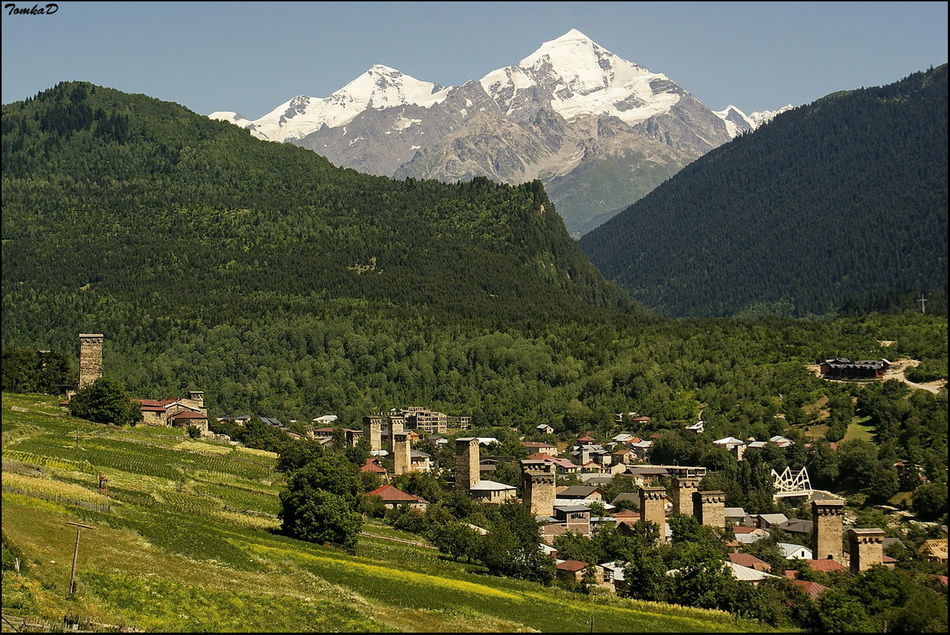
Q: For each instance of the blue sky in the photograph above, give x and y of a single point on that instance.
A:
(250, 57)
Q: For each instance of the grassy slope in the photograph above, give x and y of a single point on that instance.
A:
(186, 546)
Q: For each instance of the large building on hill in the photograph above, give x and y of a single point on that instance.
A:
(431, 421)
(843, 368)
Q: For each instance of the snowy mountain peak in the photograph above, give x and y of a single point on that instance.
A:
(378, 87)
(384, 87)
(583, 78)
(738, 122)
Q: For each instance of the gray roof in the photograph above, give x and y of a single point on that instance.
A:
(797, 526)
(571, 508)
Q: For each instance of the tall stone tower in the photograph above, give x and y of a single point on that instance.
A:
(538, 484)
(402, 449)
(396, 425)
(467, 458)
(683, 488)
(653, 507)
(372, 427)
(90, 358)
(709, 508)
(826, 518)
(867, 548)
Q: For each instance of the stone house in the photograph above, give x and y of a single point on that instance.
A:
(177, 412)
(393, 498)
(540, 447)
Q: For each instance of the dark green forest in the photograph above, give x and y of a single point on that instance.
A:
(839, 206)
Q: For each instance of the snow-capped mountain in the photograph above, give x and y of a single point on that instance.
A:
(378, 88)
(738, 122)
(600, 131)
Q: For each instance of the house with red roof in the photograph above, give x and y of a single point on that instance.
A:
(571, 570)
(811, 589)
(372, 465)
(826, 566)
(393, 498)
(750, 561)
(177, 412)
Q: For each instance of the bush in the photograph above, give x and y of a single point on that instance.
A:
(105, 401)
(320, 501)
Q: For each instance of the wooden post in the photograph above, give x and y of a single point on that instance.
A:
(72, 574)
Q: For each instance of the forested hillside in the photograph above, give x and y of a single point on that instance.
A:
(838, 204)
(116, 198)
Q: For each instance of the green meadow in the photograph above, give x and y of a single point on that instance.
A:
(187, 541)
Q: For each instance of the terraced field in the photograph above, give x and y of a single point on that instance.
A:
(187, 541)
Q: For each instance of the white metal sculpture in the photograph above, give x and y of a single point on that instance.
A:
(786, 482)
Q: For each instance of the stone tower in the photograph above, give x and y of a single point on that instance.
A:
(538, 480)
(396, 425)
(198, 398)
(372, 427)
(402, 449)
(467, 458)
(653, 507)
(683, 488)
(90, 358)
(867, 548)
(826, 529)
(709, 508)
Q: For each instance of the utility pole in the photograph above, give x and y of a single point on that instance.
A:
(72, 574)
(923, 303)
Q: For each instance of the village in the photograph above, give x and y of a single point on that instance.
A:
(585, 467)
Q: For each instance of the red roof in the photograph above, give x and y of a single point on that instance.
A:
(390, 494)
(586, 437)
(748, 560)
(740, 529)
(791, 573)
(571, 565)
(537, 456)
(372, 466)
(826, 565)
(810, 588)
(627, 513)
